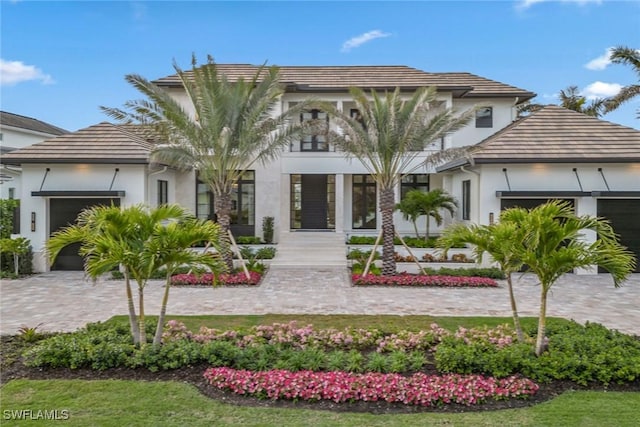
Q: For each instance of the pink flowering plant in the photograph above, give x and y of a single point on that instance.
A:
(209, 279)
(406, 280)
(337, 386)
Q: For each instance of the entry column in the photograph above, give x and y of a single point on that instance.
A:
(339, 203)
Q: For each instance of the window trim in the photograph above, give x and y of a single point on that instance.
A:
(163, 192)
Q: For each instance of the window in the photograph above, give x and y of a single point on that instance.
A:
(243, 201)
(12, 193)
(414, 182)
(363, 209)
(163, 192)
(355, 114)
(314, 142)
(466, 199)
(484, 117)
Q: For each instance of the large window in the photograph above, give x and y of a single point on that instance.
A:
(484, 117)
(314, 141)
(414, 182)
(163, 192)
(466, 199)
(363, 210)
(243, 202)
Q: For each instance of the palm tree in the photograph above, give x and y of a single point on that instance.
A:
(233, 126)
(570, 98)
(552, 245)
(169, 247)
(631, 57)
(432, 202)
(389, 135)
(131, 239)
(410, 209)
(501, 241)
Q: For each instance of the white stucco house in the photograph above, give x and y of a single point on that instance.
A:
(311, 186)
(17, 132)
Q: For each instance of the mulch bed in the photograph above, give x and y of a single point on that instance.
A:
(10, 345)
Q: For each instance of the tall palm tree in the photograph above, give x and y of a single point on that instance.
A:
(501, 241)
(134, 239)
(389, 134)
(631, 57)
(233, 126)
(552, 245)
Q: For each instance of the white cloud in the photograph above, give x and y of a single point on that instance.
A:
(526, 4)
(601, 62)
(601, 90)
(362, 39)
(13, 72)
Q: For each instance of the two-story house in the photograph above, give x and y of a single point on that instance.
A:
(313, 186)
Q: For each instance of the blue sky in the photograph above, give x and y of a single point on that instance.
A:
(62, 60)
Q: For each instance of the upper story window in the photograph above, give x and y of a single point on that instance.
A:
(413, 182)
(314, 142)
(484, 117)
(355, 114)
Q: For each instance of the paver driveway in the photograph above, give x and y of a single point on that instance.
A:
(66, 301)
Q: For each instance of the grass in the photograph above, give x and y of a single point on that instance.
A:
(133, 403)
(387, 323)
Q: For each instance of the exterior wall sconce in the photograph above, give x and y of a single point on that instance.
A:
(33, 221)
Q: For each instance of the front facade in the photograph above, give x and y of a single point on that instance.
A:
(311, 186)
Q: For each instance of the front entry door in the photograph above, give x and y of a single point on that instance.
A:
(314, 202)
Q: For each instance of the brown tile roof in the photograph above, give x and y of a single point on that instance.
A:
(339, 78)
(28, 123)
(101, 143)
(557, 135)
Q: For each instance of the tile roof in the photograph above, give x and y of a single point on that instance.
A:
(28, 123)
(101, 143)
(557, 135)
(337, 78)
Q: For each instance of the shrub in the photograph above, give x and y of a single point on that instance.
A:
(248, 240)
(267, 229)
(266, 253)
(210, 279)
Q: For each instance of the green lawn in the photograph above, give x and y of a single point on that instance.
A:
(129, 403)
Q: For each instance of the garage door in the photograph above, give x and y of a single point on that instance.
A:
(63, 212)
(623, 214)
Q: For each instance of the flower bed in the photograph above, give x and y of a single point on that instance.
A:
(418, 389)
(209, 279)
(406, 279)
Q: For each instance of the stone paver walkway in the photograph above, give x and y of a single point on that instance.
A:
(65, 301)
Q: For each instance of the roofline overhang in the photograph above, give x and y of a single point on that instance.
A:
(18, 162)
(33, 132)
(631, 159)
(569, 193)
(78, 193)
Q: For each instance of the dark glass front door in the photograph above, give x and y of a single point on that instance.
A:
(314, 202)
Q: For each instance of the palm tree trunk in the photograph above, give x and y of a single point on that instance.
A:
(541, 344)
(223, 212)
(143, 333)
(387, 204)
(415, 227)
(157, 339)
(426, 236)
(133, 321)
(514, 310)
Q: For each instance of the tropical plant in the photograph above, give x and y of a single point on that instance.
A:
(7, 208)
(267, 229)
(387, 137)
(233, 126)
(430, 204)
(572, 99)
(140, 242)
(501, 241)
(410, 209)
(552, 244)
(15, 248)
(631, 57)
